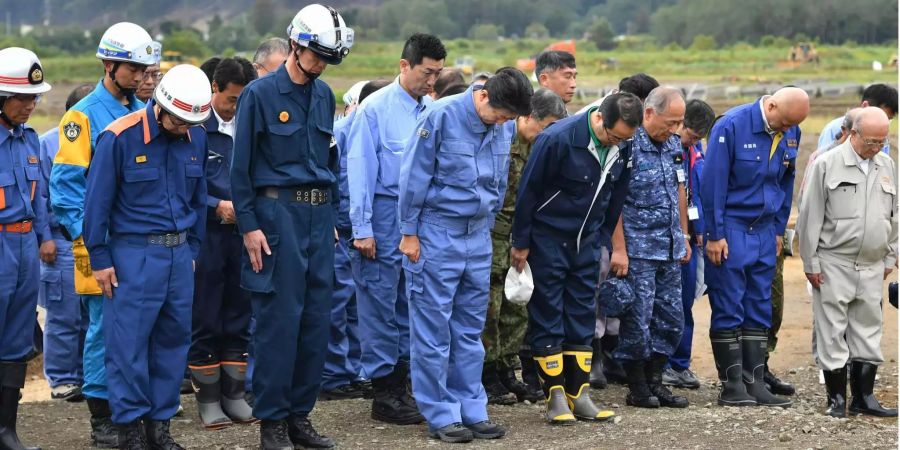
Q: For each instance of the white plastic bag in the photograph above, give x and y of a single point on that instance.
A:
(519, 286)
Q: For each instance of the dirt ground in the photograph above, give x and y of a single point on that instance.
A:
(59, 425)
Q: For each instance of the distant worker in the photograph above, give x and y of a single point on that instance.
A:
(448, 77)
(555, 70)
(878, 95)
(270, 55)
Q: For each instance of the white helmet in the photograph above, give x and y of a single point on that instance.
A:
(184, 92)
(127, 42)
(322, 30)
(21, 73)
(352, 94)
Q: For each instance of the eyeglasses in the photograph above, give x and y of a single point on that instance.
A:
(178, 123)
(874, 143)
(154, 75)
(612, 137)
(28, 98)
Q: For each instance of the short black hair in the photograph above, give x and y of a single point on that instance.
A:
(235, 70)
(453, 89)
(369, 88)
(639, 84)
(546, 103)
(881, 96)
(553, 60)
(623, 106)
(510, 89)
(699, 116)
(420, 46)
(209, 67)
(448, 77)
(77, 94)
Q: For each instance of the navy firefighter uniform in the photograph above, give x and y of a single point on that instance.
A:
(145, 214)
(283, 183)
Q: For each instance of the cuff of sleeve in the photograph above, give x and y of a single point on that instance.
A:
(715, 235)
(890, 262)
(407, 228)
(247, 222)
(521, 243)
(75, 229)
(100, 258)
(812, 266)
(212, 202)
(363, 231)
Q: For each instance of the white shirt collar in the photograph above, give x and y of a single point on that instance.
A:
(762, 109)
(224, 127)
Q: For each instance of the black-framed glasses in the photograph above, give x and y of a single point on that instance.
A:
(612, 137)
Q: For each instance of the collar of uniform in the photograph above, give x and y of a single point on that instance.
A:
(408, 103)
(581, 135)
(851, 158)
(107, 98)
(475, 122)
(151, 126)
(645, 143)
(212, 124)
(286, 85)
(758, 114)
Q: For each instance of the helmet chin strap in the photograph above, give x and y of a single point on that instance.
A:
(126, 92)
(4, 116)
(311, 75)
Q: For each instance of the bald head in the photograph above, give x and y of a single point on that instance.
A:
(786, 108)
(871, 127)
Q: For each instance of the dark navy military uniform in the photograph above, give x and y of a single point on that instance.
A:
(221, 308)
(283, 183)
(145, 214)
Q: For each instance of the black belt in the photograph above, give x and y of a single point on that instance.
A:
(167, 240)
(313, 196)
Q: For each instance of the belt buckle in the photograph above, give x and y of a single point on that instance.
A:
(170, 240)
(317, 197)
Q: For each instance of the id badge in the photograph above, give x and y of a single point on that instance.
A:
(693, 213)
(680, 174)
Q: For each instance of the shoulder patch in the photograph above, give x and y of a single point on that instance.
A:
(423, 133)
(71, 131)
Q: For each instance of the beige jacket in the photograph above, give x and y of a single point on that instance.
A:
(846, 217)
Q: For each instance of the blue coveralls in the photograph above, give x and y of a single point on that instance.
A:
(20, 185)
(566, 202)
(68, 176)
(143, 185)
(693, 169)
(283, 133)
(221, 309)
(746, 196)
(67, 318)
(380, 130)
(654, 240)
(452, 181)
(343, 364)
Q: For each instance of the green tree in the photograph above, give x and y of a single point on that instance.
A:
(188, 42)
(263, 16)
(536, 30)
(703, 42)
(601, 34)
(485, 32)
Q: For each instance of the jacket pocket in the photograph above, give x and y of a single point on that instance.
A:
(7, 179)
(261, 282)
(50, 282)
(842, 200)
(414, 279)
(456, 164)
(285, 143)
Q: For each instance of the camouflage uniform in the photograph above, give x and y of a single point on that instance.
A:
(777, 302)
(506, 321)
(655, 243)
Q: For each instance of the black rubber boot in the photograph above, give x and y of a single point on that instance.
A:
(530, 371)
(206, 379)
(273, 435)
(754, 343)
(303, 435)
(234, 377)
(103, 432)
(521, 390)
(388, 403)
(497, 393)
(577, 370)
(836, 388)
(654, 370)
(553, 379)
(158, 436)
(12, 380)
(638, 391)
(597, 379)
(726, 346)
(775, 384)
(403, 384)
(612, 369)
(862, 385)
(131, 436)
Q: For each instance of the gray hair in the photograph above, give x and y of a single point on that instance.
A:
(545, 103)
(659, 98)
(269, 47)
(866, 115)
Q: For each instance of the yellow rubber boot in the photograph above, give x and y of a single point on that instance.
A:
(577, 363)
(550, 370)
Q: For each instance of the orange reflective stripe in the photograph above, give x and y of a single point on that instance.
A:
(211, 366)
(127, 121)
(33, 188)
(233, 363)
(2, 197)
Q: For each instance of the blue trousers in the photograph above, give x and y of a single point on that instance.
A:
(19, 279)
(655, 321)
(740, 290)
(94, 361)
(562, 309)
(341, 368)
(291, 300)
(681, 359)
(148, 328)
(67, 319)
(448, 290)
(384, 334)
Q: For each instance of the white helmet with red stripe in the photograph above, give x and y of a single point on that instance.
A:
(184, 92)
(21, 73)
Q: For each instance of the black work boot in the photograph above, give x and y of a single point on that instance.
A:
(273, 435)
(577, 370)
(521, 390)
(158, 436)
(726, 346)
(553, 380)
(208, 386)
(388, 403)
(12, 380)
(654, 370)
(862, 385)
(638, 391)
(131, 436)
(775, 384)
(598, 379)
(530, 371)
(343, 392)
(403, 384)
(103, 432)
(836, 388)
(612, 369)
(497, 393)
(234, 403)
(753, 348)
(303, 435)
